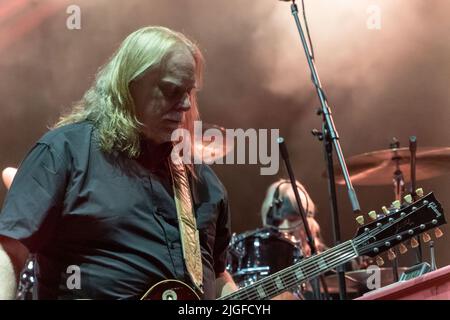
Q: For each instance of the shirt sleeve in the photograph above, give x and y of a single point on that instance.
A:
(33, 204)
(223, 236)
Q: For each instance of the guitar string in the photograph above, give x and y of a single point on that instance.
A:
(308, 266)
(295, 266)
(291, 280)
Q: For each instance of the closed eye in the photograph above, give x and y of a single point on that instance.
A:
(174, 92)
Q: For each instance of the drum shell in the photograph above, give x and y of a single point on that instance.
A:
(257, 254)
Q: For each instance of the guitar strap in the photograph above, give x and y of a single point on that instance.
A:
(190, 242)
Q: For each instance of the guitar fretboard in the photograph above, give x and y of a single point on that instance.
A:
(285, 279)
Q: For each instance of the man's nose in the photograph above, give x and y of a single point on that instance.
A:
(185, 103)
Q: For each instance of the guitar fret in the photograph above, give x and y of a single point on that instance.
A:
(279, 283)
(299, 273)
(261, 291)
(322, 263)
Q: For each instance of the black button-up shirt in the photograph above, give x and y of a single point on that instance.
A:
(112, 217)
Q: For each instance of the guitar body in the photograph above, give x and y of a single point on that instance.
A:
(170, 290)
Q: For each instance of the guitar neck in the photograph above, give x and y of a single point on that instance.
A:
(285, 279)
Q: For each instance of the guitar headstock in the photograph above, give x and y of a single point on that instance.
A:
(401, 222)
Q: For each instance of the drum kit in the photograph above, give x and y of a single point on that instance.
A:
(256, 254)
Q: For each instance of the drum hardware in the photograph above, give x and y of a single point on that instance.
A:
(432, 256)
(330, 139)
(309, 238)
(255, 254)
(27, 281)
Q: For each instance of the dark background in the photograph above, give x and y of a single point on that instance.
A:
(392, 82)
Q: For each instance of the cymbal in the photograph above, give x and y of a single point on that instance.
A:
(378, 167)
(356, 281)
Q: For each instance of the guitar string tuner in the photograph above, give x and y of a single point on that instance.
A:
(396, 204)
(391, 254)
(419, 192)
(372, 215)
(438, 233)
(408, 199)
(402, 248)
(426, 237)
(379, 260)
(414, 243)
(360, 220)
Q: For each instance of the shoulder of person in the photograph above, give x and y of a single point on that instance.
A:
(68, 133)
(69, 140)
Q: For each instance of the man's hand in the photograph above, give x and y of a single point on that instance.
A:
(225, 284)
(13, 255)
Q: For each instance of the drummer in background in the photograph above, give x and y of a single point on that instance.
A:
(280, 211)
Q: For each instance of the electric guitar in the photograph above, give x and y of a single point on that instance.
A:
(393, 227)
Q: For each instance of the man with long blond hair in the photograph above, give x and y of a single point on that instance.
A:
(96, 198)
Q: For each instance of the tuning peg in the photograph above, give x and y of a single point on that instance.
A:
(408, 199)
(402, 248)
(426, 237)
(385, 210)
(372, 214)
(414, 243)
(360, 220)
(379, 260)
(438, 233)
(396, 204)
(391, 254)
(419, 192)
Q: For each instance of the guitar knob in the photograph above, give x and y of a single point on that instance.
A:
(414, 243)
(169, 295)
(372, 214)
(419, 192)
(391, 254)
(408, 199)
(379, 260)
(385, 210)
(426, 237)
(402, 248)
(360, 220)
(438, 233)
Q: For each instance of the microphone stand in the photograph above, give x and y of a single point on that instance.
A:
(330, 138)
(303, 215)
(413, 150)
